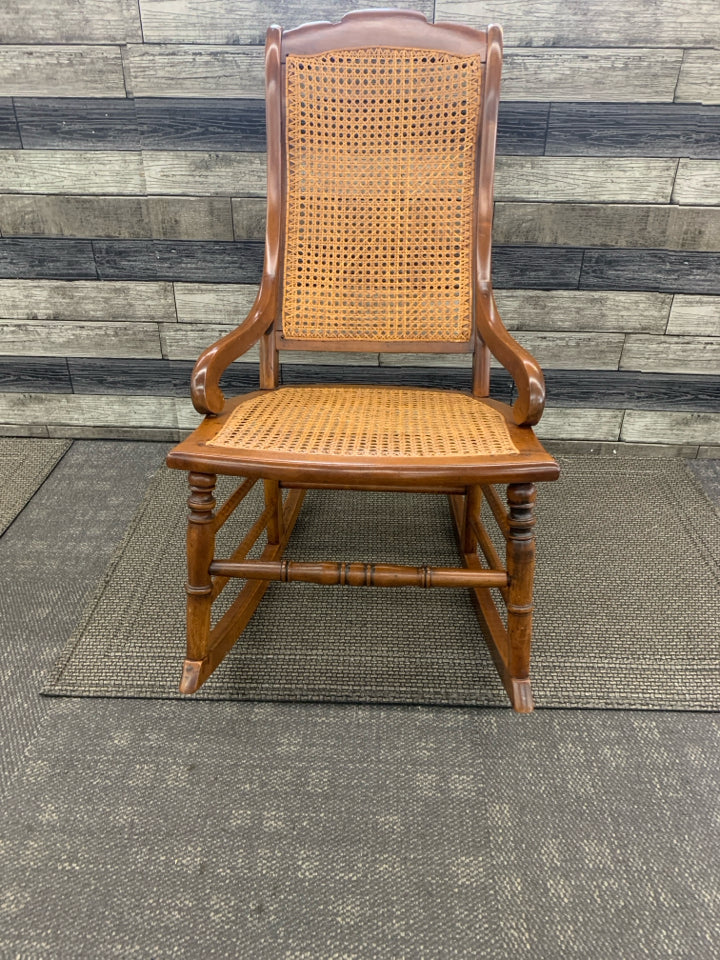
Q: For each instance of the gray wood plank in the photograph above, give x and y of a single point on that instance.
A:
(186, 341)
(9, 133)
(608, 225)
(226, 21)
(697, 181)
(608, 75)
(201, 124)
(584, 310)
(540, 268)
(585, 179)
(151, 377)
(56, 259)
(671, 354)
(79, 71)
(86, 300)
(566, 23)
(190, 218)
(217, 174)
(700, 76)
(34, 374)
(633, 130)
(60, 338)
(573, 423)
(71, 21)
(631, 390)
(668, 427)
(72, 172)
(87, 411)
(249, 217)
(694, 316)
(664, 271)
(78, 123)
(188, 260)
(522, 128)
(189, 70)
(219, 303)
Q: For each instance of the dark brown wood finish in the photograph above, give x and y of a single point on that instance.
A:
(466, 479)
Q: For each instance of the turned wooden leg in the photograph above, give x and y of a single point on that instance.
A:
(200, 551)
(521, 570)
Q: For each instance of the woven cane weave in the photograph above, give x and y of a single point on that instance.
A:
(366, 422)
(381, 146)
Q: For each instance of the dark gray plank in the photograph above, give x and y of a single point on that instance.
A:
(538, 268)
(522, 128)
(9, 136)
(53, 259)
(630, 390)
(168, 378)
(670, 271)
(202, 261)
(198, 124)
(34, 375)
(59, 123)
(633, 130)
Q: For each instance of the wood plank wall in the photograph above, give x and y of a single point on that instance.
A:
(132, 178)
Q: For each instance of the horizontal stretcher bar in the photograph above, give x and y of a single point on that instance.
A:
(358, 574)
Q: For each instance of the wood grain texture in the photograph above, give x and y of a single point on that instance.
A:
(9, 133)
(584, 179)
(86, 300)
(584, 310)
(694, 316)
(668, 271)
(572, 423)
(56, 338)
(543, 268)
(72, 172)
(249, 215)
(186, 70)
(207, 124)
(625, 390)
(671, 354)
(608, 75)
(700, 76)
(227, 303)
(608, 225)
(87, 411)
(70, 21)
(73, 71)
(57, 123)
(217, 174)
(186, 341)
(151, 377)
(189, 260)
(665, 426)
(522, 128)
(565, 23)
(633, 130)
(226, 21)
(34, 375)
(56, 259)
(698, 182)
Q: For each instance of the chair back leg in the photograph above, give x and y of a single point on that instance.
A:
(521, 570)
(200, 551)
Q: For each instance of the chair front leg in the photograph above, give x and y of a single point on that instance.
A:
(200, 552)
(521, 570)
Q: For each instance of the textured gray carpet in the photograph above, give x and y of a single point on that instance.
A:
(628, 583)
(24, 464)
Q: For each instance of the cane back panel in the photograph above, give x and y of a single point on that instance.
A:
(381, 153)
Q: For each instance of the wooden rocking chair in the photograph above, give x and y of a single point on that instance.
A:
(381, 149)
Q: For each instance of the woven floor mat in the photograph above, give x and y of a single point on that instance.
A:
(24, 464)
(627, 612)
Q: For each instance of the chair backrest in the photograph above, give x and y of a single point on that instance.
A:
(381, 147)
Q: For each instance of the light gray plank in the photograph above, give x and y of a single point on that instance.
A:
(70, 21)
(608, 225)
(87, 410)
(186, 415)
(573, 423)
(584, 179)
(584, 310)
(73, 172)
(708, 453)
(24, 430)
(561, 351)
(697, 181)
(186, 341)
(227, 21)
(53, 338)
(66, 71)
(186, 70)
(642, 75)
(669, 427)
(671, 354)
(190, 218)
(699, 77)
(214, 303)
(694, 316)
(565, 23)
(249, 215)
(86, 300)
(113, 432)
(217, 174)
(617, 448)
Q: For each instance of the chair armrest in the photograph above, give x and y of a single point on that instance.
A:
(522, 366)
(207, 397)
